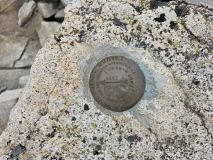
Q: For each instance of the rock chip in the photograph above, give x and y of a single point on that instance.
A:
(56, 116)
(66, 2)
(29, 54)
(8, 100)
(26, 12)
(47, 9)
(47, 29)
(11, 49)
(59, 16)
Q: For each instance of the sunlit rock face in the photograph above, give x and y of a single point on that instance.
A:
(57, 116)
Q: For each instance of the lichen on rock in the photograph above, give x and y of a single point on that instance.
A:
(56, 119)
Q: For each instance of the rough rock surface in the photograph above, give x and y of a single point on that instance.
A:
(7, 101)
(56, 117)
(26, 12)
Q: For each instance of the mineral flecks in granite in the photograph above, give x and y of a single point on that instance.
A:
(50, 119)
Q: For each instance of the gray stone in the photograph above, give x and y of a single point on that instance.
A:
(173, 120)
(47, 9)
(25, 12)
(29, 55)
(59, 16)
(203, 1)
(66, 2)
(23, 81)
(2, 89)
(10, 78)
(8, 5)
(12, 49)
(8, 100)
(9, 19)
(47, 29)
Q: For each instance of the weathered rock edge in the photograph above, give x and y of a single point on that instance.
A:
(54, 120)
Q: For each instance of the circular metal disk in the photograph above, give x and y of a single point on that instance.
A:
(117, 83)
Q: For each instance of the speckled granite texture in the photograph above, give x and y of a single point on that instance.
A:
(56, 118)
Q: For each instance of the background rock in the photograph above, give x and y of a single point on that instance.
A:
(10, 78)
(23, 81)
(47, 29)
(8, 5)
(12, 49)
(47, 9)
(203, 1)
(2, 89)
(25, 12)
(66, 2)
(13, 39)
(10, 27)
(59, 16)
(7, 100)
(29, 54)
